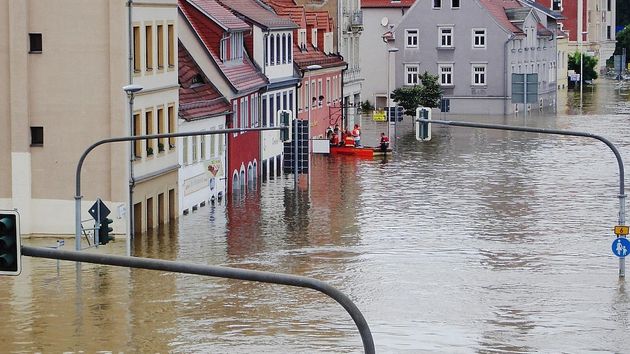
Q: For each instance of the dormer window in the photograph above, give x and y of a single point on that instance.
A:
(197, 80)
(232, 46)
(314, 37)
(301, 38)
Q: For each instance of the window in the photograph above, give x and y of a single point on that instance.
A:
(608, 32)
(194, 149)
(284, 100)
(185, 150)
(254, 111)
(454, 4)
(202, 146)
(301, 38)
(35, 42)
(264, 111)
(320, 96)
(289, 49)
(557, 5)
(284, 48)
(149, 49)
(446, 74)
(411, 40)
(243, 115)
(314, 37)
(278, 51)
(266, 50)
(148, 126)
(479, 74)
(212, 142)
(37, 136)
(272, 50)
(160, 117)
(411, 74)
(236, 46)
(328, 92)
(479, 37)
(437, 4)
(290, 101)
(446, 37)
(306, 99)
(160, 48)
(136, 49)
(171, 46)
(220, 147)
(171, 126)
(137, 144)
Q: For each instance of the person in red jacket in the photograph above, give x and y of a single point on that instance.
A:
(384, 142)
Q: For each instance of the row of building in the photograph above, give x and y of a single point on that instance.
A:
(207, 65)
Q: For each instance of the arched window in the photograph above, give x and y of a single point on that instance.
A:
(235, 183)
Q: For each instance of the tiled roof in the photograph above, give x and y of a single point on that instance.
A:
(219, 14)
(241, 74)
(198, 100)
(312, 56)
(497, 8)
(386, 3)
(263, 16)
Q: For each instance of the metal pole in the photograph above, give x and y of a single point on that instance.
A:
(78, 196)
(389, 89)
(621, 196)
(308, 127)
(132, 157)
(295, 153)
(215, 271)
(580, 29)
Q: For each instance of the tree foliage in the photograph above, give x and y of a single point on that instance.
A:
(425, 94)
(590, 62)
(623, 41)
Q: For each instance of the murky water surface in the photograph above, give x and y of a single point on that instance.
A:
(477, 241)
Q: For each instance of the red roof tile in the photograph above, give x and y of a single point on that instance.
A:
(198, 100)
(386, 3)
(264, 16)
(313, 56)
(219, 14)
(497, 8)
(241, 74)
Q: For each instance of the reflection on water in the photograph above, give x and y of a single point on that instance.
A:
(477, 241)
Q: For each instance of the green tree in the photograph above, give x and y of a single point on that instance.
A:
(590, 63)
(426, 94)
(623, 41)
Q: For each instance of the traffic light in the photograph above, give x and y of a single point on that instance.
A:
(423, 130)
(285, 118)
(10, 257)
(104, 230)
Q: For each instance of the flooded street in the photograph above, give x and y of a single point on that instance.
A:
(477, 241)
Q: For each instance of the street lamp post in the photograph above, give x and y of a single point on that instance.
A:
(389, 52)
(309, 69)
(131, 90)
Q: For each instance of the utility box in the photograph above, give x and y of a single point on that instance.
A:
(423, 129)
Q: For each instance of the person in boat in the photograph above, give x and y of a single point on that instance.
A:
(349, 139)
(356, 134)
(337, 135)
(384, 142)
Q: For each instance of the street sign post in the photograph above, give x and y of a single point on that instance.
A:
(620, 247)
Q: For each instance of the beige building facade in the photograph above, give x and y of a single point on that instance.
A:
(63, 66)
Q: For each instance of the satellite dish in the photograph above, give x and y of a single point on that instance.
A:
(384, 21)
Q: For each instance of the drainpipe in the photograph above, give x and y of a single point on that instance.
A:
(505, 72)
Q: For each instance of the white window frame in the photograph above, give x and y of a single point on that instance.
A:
(414, 81)
(481, 36)
(482, 75)
(413, 35)
(436, 4)
(449, 74)
(459, 4)
(442, 35)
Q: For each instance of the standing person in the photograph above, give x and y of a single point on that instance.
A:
(384, 142)
(356, 134)
(336, 135)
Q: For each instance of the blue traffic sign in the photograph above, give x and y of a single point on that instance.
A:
(621, 247)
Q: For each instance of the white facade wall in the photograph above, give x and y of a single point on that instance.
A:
(202, 176)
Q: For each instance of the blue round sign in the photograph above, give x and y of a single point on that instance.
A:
(621, 247)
